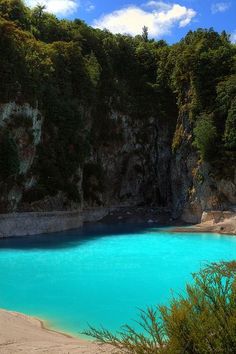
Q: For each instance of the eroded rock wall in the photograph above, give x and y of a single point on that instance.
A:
(129, 166)
(199, 186)
(135, 166)
(134, 163)
(20, 135)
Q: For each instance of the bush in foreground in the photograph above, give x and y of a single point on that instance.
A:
(202, 321)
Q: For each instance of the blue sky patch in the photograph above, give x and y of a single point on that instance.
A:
(169, 20)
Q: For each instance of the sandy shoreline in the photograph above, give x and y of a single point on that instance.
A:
(23, 334)
(224, 226)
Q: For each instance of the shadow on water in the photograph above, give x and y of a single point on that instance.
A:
(72, 238)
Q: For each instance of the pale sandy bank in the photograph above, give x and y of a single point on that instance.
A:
(214, 221)
(26, 335)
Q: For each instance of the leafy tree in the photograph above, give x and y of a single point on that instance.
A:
(230, 127)
(226, 92)
(94, 68)
(200, 61)
(226, 98)
(16, 11)
(205, 135)
(145, 33)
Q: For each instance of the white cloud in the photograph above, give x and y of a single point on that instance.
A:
(159, 5)
(220, 7)
(160, 18)
(233, 37)
(89, 6)
(57, 7)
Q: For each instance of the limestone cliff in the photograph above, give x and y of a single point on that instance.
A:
(132, 164)
(20, 128)
(88, 118)
(199, 186)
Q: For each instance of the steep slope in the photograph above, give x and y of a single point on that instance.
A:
(88, 118)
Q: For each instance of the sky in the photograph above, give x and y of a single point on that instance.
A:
(168, 20)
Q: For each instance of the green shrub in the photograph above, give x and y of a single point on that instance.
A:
(202, 321)
(230, 128)
(205, 135)
(16, 11)
(178, 138)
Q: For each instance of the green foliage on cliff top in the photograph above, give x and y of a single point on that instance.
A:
(73, 72)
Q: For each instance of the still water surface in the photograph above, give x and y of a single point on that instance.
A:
(101, 274)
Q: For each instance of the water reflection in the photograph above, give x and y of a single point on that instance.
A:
(73, 238)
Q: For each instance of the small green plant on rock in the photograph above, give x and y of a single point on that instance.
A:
(205, 135)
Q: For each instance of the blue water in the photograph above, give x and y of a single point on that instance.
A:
(101, 274)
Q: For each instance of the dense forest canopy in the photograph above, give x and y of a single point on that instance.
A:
(67, 68)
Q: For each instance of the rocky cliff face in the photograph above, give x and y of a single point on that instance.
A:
(20, 128)
(199, 186)
(128, 166)
(130, 163)
(211, 189)
(135, 164)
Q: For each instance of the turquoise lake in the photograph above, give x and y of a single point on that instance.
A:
(101, 274)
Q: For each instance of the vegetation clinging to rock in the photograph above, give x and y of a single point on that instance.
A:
(78, 76)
